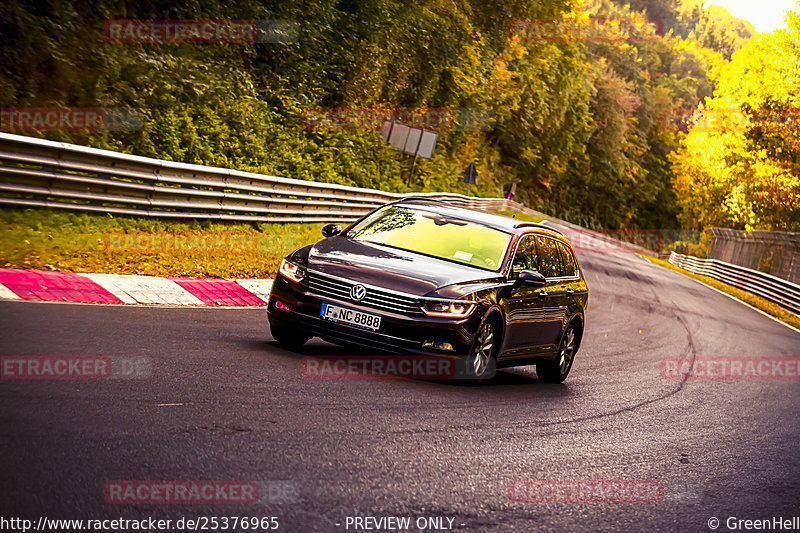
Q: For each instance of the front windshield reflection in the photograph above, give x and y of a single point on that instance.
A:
(434, 234)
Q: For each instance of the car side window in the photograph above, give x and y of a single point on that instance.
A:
(526, 256)
(549, 258)
(568, 261)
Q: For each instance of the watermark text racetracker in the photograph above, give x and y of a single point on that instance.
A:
(69, 119)
(82, 367)
(188, 243)
(198, 492)
(588, 30)
(781, 120)
(731, 368)
(200, 31)
(585, 491)
(386, 366)
(373, 118)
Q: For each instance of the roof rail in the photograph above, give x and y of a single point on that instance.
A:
(536, 225)
(425, 198)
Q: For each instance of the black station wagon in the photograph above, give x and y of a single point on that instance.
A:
(423, 277)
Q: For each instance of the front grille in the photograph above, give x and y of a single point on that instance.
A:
(324, 285)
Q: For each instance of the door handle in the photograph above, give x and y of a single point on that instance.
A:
(570, 292)
(543, 294)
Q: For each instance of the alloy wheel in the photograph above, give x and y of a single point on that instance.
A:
(567, 351)
(482, 355)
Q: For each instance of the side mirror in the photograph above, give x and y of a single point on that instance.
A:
(530, 278)
(331, 229)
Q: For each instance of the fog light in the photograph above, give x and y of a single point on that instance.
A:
(446, 346)
(281, 306)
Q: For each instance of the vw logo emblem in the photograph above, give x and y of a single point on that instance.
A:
(358, 292)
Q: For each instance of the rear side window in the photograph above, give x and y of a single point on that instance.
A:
(568, 261)
(549, 258)
(526, 256)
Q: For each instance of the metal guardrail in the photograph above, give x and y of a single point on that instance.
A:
(784, 293)
(41, 173)
(775, 251)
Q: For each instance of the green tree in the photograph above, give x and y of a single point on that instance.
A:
(738, 166)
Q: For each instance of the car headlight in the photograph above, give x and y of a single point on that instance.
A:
(447, 308)
(292, 271)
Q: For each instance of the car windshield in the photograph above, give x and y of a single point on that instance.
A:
(434, 234)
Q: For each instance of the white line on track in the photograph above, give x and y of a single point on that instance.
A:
(734, 298)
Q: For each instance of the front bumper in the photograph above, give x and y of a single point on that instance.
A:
(398, 332)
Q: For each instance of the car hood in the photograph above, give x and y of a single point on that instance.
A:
(388, 268)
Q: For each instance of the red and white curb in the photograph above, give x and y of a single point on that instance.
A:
(120, 289)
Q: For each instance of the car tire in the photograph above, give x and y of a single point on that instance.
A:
(557, 369)
(481, 362)
(289, 338)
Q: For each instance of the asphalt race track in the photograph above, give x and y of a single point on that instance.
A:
(223, 402)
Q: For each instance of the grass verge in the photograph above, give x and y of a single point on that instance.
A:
(66, 241)
(762, 304)
(51, 239)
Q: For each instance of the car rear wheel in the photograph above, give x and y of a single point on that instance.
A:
(557, 369)
(289, 338)
(480, 363)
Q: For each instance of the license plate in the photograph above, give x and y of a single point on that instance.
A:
(352, 317)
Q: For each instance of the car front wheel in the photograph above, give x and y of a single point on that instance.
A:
(289, 338)
(481, 363)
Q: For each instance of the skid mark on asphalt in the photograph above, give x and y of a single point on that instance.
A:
(690, 355)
